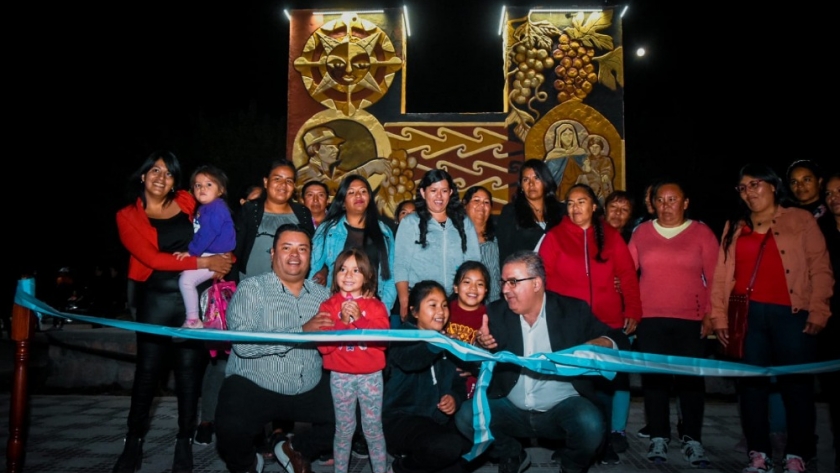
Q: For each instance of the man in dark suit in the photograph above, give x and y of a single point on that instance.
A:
(524, 403)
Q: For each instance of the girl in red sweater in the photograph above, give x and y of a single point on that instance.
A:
(466, 307)
(356, 367)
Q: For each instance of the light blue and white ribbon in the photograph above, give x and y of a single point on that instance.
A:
(576, 361)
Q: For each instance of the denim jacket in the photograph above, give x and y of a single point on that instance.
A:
(440, 258)
(327, 252)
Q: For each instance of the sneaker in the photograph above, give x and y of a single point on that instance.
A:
(618, 439)
(290, 460)
(658, 450)
(759, 463)
(644, 432)
(694, 453)
(608, 456)
(516, 464)
(326, 459)
(204, 434)
(794, 464)
(359, 448)
(193, 323)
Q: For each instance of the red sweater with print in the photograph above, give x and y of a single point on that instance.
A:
(356, 357)
(140, 239)
(571, 269)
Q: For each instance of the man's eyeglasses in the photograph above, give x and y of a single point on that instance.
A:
(752, 185)
(513, 282)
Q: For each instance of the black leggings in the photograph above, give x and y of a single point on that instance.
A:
(159, 302)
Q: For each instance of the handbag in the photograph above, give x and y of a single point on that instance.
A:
(215, 302)
(738, 310)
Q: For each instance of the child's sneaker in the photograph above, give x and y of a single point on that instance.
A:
(658, 450)
(759, 463)
(326, 459)
(193, 323)
(794, 464)
(694, 453)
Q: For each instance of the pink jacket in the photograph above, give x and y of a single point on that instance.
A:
(808, 274)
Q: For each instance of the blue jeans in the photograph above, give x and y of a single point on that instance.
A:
(576, 420)
(775, 338)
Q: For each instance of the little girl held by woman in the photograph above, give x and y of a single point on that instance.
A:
(214, 234)
(466, 307)
(356, 367)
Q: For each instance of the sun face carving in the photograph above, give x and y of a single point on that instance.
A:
(348, 64)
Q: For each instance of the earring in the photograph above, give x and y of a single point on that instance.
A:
(172, 190)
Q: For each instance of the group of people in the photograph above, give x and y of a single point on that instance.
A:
(536, 279)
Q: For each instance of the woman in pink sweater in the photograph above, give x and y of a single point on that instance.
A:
(676, 257)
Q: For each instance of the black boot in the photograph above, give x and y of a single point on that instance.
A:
(183, 462)
(132, 456)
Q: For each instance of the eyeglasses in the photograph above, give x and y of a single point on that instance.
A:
(513, 282)
(752, 185)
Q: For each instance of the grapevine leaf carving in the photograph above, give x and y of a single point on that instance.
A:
(537, 34)
(586, 29)
(521, 120)
(611, 68)
(542, 32)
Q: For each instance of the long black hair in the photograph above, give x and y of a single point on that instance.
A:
(373, 236)
(470, 265)
(136, 187)
(490, 228)
(552, 210)
(454, 210)
(418, 292)
(597, 218)
(780, 197)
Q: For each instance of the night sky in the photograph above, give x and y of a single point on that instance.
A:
(97, 88)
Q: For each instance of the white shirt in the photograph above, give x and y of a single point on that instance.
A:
(536, 391)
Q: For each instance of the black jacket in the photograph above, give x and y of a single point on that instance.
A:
(248, 223)
(570, 323)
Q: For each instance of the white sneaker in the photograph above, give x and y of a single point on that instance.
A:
(794, 464)
(694, 453)
(658, 450)
(759, 463)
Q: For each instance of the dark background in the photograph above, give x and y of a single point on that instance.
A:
(96, 88)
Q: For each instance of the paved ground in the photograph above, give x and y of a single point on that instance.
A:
(76, 434)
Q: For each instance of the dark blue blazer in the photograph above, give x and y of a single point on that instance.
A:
(570, 323)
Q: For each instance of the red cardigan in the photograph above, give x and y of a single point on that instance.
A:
(140, 239)
(571, 270)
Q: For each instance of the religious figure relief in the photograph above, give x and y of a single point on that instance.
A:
(598, 169)
(564, 155)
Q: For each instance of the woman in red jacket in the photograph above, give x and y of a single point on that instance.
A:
(583, 259)
(157, 224)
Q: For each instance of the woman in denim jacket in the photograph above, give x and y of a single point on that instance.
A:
(353, 221)
(434, 240)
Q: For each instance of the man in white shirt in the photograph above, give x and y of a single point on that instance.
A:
(523, 403)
